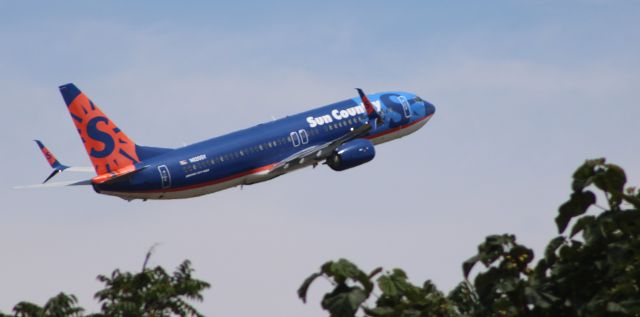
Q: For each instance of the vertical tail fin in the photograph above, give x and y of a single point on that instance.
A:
(108, 147)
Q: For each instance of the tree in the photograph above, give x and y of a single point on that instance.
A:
(593, 269)
(61, 305)
(150, 292)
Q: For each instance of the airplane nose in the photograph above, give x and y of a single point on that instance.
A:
(429, 109)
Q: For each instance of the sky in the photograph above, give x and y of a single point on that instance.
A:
(525, 91)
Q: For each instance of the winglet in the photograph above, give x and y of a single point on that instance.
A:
(371, 111)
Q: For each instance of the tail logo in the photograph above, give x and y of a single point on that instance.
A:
(103, 137)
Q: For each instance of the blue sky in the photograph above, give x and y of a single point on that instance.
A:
(524, 91)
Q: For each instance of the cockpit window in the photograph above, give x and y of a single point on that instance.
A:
(418, 99)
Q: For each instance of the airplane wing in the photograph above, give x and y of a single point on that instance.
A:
(318, 153)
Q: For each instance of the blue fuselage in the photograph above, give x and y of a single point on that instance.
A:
(247, 156)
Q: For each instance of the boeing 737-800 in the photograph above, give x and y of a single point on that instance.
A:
(342, 135)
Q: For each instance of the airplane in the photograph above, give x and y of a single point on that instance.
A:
(341, 135)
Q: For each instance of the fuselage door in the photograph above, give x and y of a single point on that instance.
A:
(304, 136)
(295, 139)
(406, 108)
(165, 176)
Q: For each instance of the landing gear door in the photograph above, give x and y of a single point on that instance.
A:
(165, 176)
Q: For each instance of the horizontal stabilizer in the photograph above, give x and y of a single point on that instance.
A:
(80, 169)
(56, 184)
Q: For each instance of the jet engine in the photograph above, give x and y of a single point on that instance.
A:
(351, 154)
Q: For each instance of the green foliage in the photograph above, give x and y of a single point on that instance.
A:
(151, 292)
(593, 269)
(61, 305)
(352, 287)
(400, 298)
(501, 290)
(397, 296)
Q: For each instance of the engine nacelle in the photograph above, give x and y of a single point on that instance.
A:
(351, 154)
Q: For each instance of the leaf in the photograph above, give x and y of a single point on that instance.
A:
(346, 269)
(486, 281)
(577, 205)
(327, 268)
(302, 291)
(612, 180)
(581, 224)
(379, 311)
(583, 176)
(399, 273)
(494, 246)
(469, 264)
(549, 252)
(387, 286)
(344, 304)
(428, 287)
(375, 272)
